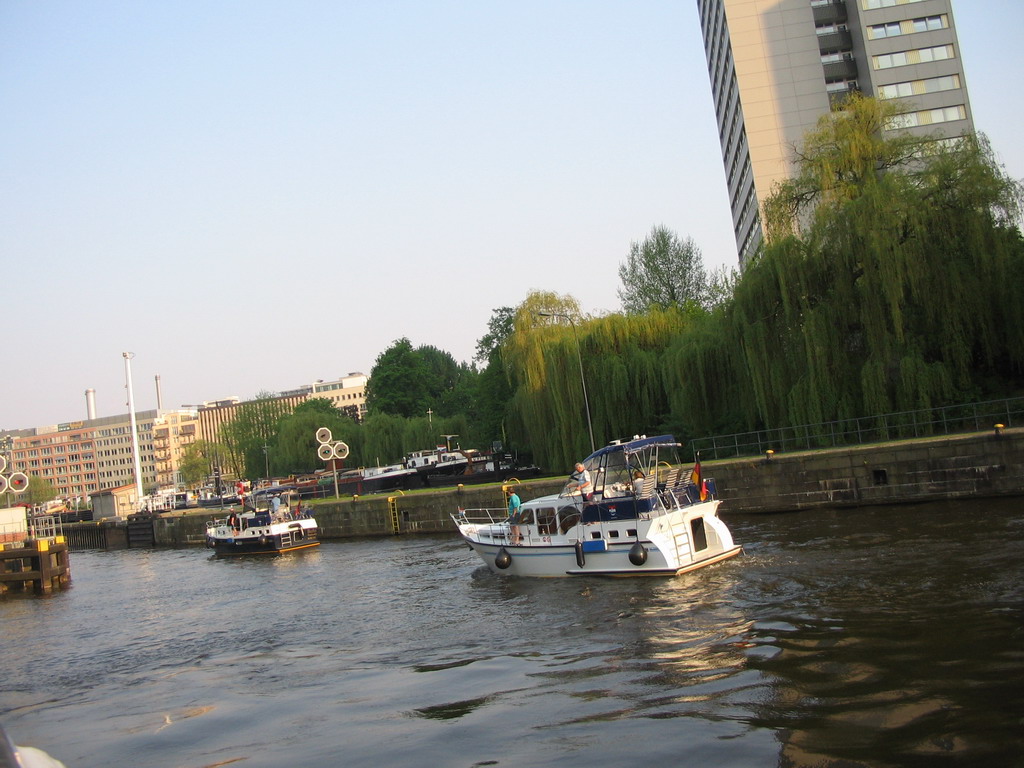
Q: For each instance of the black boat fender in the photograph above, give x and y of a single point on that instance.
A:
(503, 559)
(638, 554)
(581, 559)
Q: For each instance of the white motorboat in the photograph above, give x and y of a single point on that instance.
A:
(642, 517)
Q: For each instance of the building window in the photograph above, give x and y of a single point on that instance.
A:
(927, 117)
(919, 87)
(870, 5)
(918, 56)
(897, 28)
(878, 31)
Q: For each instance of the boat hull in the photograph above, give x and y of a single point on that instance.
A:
(679, 541)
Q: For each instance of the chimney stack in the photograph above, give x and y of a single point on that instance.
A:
(159, 396)
(90, 403)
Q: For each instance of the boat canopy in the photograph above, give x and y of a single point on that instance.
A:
(633, 446)
(623, 469)
(274, 490)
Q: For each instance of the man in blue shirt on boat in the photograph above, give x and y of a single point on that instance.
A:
(513, 514)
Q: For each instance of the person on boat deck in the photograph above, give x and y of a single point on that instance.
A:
(276, 504)
(638, 482)
(582, 479)
(513, 514)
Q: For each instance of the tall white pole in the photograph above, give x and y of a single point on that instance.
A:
(135, 432)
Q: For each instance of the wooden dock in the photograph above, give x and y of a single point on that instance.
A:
(40, 565)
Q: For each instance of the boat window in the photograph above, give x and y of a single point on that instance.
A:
(613, 534)
(698, 535)
(567, 517)
(546, 521)
(595, 534)
(631, 532)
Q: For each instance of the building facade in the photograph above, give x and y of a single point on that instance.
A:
(173, 432)
(347, 393)
(776, 66)
(82, 458)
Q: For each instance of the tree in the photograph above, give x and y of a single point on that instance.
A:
(40, 490)
(397, 382)
(662, 271)
(295, 446)
(250, 434)
(892, 279)
(493, 392)
(197, 462)
(410, 382)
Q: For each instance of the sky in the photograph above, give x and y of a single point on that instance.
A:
(252, 195)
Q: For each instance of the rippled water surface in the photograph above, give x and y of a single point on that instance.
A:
(882, 637)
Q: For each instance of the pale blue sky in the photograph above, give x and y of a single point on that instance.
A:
(252, 195)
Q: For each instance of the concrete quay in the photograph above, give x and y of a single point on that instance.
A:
(948, 467)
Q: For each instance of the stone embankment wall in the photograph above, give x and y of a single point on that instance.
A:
(975, 465)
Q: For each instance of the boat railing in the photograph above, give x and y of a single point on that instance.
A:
(481, 515)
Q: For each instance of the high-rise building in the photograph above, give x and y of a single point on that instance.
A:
(777, 65)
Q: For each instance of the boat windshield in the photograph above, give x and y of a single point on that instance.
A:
(616, 473)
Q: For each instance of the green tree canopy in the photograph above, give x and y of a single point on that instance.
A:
(409, 382)
(198, 462)
(294, 450)
(891, 278)
(40, 490)
(661, 272)
(250, 434)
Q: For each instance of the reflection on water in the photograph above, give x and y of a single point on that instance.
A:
(889, 636)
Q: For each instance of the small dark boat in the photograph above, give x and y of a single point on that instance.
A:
(263, 531)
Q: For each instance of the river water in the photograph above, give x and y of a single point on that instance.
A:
(889, 636)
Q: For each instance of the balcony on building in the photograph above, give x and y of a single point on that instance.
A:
(840, 40)
(829, 12)
(839, 92)
(840, 70)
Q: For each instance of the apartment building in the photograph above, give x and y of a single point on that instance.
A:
(173, 432)
(777, 65)
(81, 458)
(347, 393)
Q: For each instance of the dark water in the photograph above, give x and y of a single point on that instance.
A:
(882, 637)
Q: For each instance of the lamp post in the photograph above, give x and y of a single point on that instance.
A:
(583, 380)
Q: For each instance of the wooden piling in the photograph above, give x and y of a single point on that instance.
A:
(38, 564)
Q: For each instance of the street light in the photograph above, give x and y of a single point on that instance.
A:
(583, 380)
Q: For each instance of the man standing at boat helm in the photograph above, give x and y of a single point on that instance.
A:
(582, 479)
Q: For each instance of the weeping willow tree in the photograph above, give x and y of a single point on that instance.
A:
(384, 438)
(248, 436)
(622, 369)
(891, 277)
